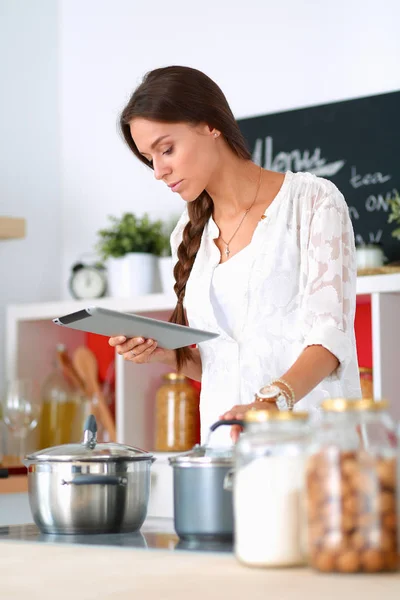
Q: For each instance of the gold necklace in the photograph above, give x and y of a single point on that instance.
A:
(227, 251)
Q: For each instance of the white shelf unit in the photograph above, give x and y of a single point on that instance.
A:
(31, 338)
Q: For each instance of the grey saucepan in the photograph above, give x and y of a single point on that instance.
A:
(203, 508)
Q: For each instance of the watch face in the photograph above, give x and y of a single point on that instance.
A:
(269, 391)
(88, 282)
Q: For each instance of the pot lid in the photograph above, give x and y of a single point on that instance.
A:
(90, 450)
(204, 456)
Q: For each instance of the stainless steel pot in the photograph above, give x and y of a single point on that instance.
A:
(203, 509)
(89, 487)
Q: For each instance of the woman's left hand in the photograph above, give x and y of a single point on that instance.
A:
(238, 412)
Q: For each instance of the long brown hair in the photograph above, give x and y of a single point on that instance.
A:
(176, 95)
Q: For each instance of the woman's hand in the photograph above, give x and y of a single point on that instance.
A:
(141, 351)
(238, 412)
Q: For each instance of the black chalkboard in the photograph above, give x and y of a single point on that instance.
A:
(354, 143)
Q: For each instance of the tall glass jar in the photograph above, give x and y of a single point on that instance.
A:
(268, 489)
(177, 415)
(61, 405)
(352, 488)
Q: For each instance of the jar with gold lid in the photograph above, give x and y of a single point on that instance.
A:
(366, 382)
(268, 489)
(351, 488)
(177, 415)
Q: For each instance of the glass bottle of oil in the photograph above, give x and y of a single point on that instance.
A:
(60, 405)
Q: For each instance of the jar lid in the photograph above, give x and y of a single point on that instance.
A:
(261, 415)
(89, 450)
(203, 456)
(348, 404)
(175, 377)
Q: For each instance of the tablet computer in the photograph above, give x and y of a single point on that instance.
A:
(110, 323)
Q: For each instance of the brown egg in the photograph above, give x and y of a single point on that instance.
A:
(372, 561)
(351, 504)
(345, 489)
(365, 483)
(386, 502)
(312, 464)
(390, 521)
(386, 470)
(348, 522)
(348, 562)
(358, 540)
(392, 561)
(324, 561)
(315, 494)
(349, 468)
(347, 456)
(381, 539)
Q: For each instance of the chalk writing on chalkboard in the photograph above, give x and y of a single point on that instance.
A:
(355, 143)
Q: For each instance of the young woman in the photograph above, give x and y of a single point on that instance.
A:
(265, 259)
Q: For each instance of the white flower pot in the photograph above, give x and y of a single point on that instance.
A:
(166, 268)
(131, 275)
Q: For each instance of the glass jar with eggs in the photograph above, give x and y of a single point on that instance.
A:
(351, 488)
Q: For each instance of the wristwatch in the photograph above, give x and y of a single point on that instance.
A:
(273, 393)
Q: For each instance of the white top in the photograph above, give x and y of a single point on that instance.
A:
(300, 291)
(229, 282)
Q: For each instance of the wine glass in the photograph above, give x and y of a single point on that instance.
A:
(21, 409)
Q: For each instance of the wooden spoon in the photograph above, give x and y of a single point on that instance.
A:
(69, 369)
(86, 366)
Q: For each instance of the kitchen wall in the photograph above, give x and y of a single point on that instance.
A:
(29, 154)
(65, 167)
(265, 55)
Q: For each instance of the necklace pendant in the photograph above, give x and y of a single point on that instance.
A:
(227, 251)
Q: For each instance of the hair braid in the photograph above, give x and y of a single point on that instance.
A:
(200, 210)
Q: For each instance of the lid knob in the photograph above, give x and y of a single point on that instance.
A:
(90, 424)
(90, 433)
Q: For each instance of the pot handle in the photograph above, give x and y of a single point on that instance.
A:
(226, 422)
(96, 480)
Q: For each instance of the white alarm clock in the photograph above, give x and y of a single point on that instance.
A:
(88, 281)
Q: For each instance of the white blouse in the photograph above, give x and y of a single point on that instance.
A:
(228, 285)
(299, 290)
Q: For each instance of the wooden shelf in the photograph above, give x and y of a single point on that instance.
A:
(15, 484)
(12, 228)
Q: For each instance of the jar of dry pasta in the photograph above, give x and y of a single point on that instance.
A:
(366, 382)
(351, 489)
(177, 415)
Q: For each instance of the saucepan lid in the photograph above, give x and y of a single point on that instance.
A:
(205, 455)
(89, 450)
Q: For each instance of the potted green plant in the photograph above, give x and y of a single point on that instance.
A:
(130, 247)
(394, 216)
(166, 266)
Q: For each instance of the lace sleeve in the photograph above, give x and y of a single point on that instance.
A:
(330, 279)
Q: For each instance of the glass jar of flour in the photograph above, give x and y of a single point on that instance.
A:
(268, 489)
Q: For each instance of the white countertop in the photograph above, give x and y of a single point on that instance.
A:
(77, 572)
